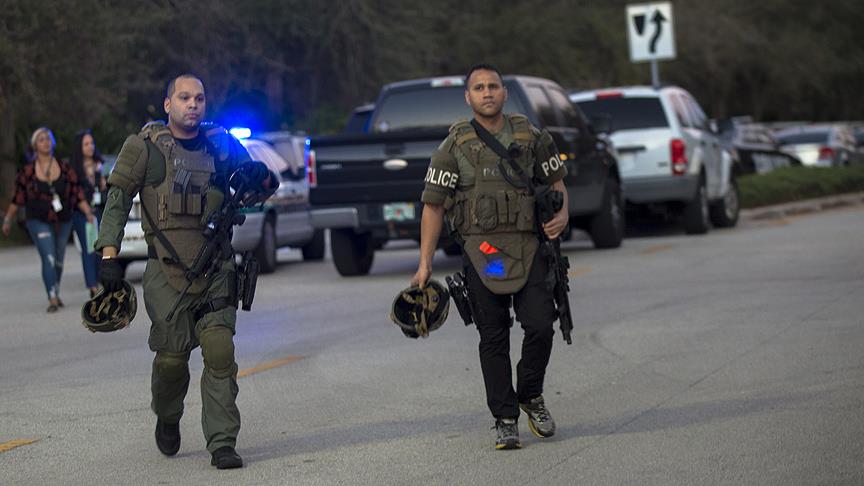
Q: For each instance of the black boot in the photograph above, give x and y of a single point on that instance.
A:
(226, 458)
(167, 437)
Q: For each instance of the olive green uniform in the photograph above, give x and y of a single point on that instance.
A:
(494, 219)
(179, 181)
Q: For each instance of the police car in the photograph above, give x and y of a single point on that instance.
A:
(283, 220)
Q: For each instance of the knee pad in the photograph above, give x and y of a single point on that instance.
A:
(217, 347)
(171, 367)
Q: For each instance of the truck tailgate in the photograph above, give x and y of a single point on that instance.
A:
(372, 168)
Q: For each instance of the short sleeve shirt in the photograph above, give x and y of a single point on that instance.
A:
(443, 177)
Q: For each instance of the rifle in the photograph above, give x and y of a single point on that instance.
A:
(547, 203)
(217, 246)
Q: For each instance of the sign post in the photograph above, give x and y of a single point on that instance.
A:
(651, 34)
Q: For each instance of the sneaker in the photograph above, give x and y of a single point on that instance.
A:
(167, 437)
(539, 419)
(508, 434)
(226, 458)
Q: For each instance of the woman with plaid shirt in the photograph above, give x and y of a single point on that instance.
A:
(49, 191)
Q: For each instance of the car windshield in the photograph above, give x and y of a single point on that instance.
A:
(428, 107)
(803, 137)
(627, 113)
(357, 122)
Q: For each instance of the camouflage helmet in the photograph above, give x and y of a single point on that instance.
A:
(420, 311)
(110, 311)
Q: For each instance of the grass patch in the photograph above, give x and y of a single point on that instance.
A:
(17, 237)
(796, 183)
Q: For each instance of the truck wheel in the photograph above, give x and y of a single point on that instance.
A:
(607, 226)
(314, 250)
(266, 251)
(724, 213)
(352, 253)
(696, 213)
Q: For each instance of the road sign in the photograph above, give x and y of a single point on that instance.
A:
(649, 27)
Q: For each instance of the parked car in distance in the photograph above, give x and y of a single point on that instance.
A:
(283, 220)
(820, 145)
(670, 156)
(753, 146)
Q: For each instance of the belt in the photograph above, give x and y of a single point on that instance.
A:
(213, 306)
(151, 253)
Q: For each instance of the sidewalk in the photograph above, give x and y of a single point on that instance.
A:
(803, 207)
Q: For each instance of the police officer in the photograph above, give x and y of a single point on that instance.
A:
(181, 172)
(493, 218)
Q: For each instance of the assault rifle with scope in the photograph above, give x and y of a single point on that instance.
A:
(217, 247)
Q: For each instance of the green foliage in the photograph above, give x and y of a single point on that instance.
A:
(796, 183)
(17, 236)
(104, 65)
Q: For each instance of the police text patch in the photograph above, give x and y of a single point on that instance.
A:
(443, 178)
(551, 165)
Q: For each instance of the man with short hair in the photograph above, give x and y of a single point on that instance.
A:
(182, 171)
(492, 216)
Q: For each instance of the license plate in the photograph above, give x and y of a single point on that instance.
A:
(399, 212)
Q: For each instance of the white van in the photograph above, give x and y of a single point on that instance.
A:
(669, 154)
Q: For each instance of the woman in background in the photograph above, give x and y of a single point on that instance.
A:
(49, 191)
(87, 163)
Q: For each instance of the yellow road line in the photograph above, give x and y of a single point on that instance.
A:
(575, 272)
(656, 249)
(269, 365)
(12, 444)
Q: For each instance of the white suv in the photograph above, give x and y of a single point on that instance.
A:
(670, 156)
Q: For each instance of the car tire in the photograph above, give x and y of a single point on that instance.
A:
(607, 227)
(352, 253)
(314, 250)
(696, 217)
(724, 213)
(265, 253)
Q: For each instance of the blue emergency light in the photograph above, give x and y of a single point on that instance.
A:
(240, 132)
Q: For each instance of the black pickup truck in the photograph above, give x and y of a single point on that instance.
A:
(365, 187)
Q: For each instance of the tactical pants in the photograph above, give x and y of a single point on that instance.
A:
(535, 310)
(173, 341)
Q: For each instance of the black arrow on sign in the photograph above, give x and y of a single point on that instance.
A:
(658, 21)
(639, 21)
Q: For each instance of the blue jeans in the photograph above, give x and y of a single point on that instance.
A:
(50, 240)
(89, 258)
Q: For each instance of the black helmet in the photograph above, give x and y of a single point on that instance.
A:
(420, 311)
(110, 311)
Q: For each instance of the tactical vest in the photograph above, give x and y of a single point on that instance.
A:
(494, 218)
(178, 205)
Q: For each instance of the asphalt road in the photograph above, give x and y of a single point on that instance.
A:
(730, 358)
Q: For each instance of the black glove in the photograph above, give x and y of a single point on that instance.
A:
(111, 274)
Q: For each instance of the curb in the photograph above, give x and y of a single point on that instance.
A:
(796, 208)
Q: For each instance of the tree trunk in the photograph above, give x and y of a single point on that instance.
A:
(8, 167)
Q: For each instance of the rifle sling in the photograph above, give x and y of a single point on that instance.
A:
(163, 239)
(502, 152)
